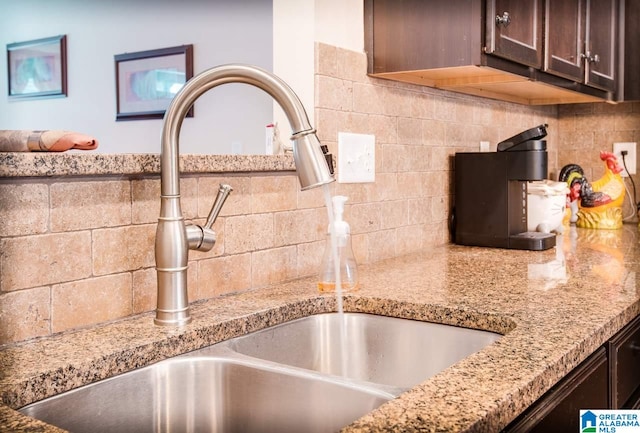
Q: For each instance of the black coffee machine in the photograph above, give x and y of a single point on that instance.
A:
(491, 193)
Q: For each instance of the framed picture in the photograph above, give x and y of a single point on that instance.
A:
(147, 81)
(38, 68)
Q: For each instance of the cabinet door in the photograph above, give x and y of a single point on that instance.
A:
(409, 35)
(564, 38)
(586, 387)
(601, 31)
(514, 30)
(624, 352)
(628, 81)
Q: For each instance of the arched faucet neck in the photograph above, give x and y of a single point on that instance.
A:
(207, 80)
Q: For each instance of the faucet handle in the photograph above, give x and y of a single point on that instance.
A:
(204, 238)
(223, 193)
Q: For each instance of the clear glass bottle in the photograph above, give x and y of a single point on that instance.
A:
(338, 246)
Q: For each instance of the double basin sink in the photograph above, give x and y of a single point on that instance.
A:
(314, 374)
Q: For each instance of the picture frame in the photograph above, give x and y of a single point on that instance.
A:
(147, 81)
(37, 68)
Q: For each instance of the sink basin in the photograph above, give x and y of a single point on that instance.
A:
(315, 374)
(212, 394)
(385, 350)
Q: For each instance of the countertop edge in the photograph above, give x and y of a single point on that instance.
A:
(49, 164)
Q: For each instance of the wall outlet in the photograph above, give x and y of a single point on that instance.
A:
(485, 146)
(356, 158)
(236, 147)
(629, 159)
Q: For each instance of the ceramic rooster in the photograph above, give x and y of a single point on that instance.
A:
(599, 202)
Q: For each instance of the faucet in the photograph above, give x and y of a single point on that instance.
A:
(174, 238)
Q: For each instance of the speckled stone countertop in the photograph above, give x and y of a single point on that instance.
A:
(555, 308)
(43, 164)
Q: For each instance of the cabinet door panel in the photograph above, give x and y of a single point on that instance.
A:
(514, 30)
(625, 357)
(586, 387)
(601, 42)
(629, 81)
(564, 40)
(407, 35)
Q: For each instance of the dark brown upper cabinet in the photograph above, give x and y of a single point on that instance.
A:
(580, 41)
(496, 48)
(564, 38)
(628, 82)
(514, 30)
(600, 44)
(407, 35)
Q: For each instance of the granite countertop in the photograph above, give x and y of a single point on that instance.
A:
(78, 163)
(555, 308)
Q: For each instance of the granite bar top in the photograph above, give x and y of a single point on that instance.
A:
(78, 163)
(554, 307)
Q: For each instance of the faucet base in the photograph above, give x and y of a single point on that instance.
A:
(172, 318)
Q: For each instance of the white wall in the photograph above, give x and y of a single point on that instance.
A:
(249, 31)
(293, 54)
(340, 23)
(297, 25)
(222, 31)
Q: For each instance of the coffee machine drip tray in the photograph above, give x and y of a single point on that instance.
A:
(535, 241)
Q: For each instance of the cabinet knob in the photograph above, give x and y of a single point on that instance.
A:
(505, 19)
(595, 58)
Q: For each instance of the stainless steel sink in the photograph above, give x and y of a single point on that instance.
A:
(384, 350)
(209, 394)
(315, 374)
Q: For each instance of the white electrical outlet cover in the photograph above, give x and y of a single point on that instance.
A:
(629, 159)
(356, 158)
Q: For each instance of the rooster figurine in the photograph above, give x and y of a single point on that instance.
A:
(599, 202)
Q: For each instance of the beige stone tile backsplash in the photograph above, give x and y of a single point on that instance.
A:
(123, 249)
(80, 272)
(89, 204)
(76, 252)
(586, 129)
(24, 209)
(90, 301)
(25, 314)
(32, 261)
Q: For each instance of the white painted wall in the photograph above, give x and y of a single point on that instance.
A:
(297, 25)
(293, 54)
(340, 23)
(222, 31)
